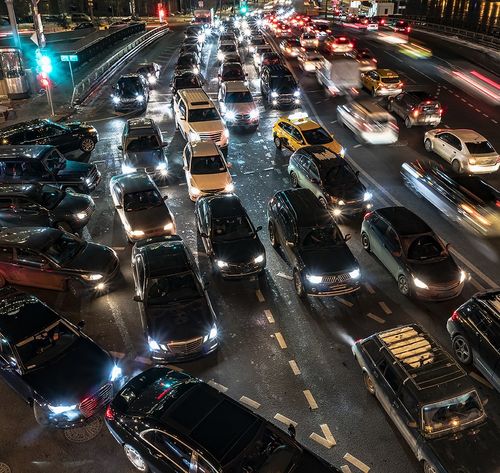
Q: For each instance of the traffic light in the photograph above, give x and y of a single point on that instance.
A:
(44, 62)
(243, 8)
(43, 80)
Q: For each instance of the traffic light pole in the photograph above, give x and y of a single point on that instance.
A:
(49, 98)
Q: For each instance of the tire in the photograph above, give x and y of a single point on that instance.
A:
(429, 468)
(323, 202)
(407, 122)
(456, 166)
(272, 235)
(135, 458)
(365, 242)
(294, 179)
(462, 350)
(370, 387)
(428, 145)
(76, 288)
(278, 143)
(87, 145)
(298, 284)
(403, 285)
(41, 416)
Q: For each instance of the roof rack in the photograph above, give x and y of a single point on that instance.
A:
(423, 361)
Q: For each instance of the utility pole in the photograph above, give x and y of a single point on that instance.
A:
(13, 22)
(37, 20)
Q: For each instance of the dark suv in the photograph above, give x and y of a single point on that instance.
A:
(166, 420)
(46, 165)
(131, 92)
(416, 108)
(475, 334)
(430, 399)
(278, 86)
(312, 244)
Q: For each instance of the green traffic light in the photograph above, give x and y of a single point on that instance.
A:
(243, 9)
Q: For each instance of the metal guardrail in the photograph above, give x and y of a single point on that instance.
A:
(85, 87)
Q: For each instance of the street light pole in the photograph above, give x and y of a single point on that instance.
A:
(13, 22)
(37, 20)
(91, 8)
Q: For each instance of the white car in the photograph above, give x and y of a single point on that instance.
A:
(309, 40)
(310, 60)
(466, 150)
(207, 171)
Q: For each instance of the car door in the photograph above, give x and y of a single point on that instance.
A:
(289, 238)
(10, 369)
(204, 223)
(296, 139)
(168, 451)
(187, 157)
(397, 104)
(391, 252)
(60, 137)
(33, 269)
(389, 386)
(443, 147)
(313, 182)
(117, 196)
(488, 348)
(139, 275)
(378, 228)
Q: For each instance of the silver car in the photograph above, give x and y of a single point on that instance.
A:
(237, 106)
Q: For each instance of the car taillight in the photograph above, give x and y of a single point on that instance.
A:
(394, 126)
(351, 45)
(367, 215)
(109, 414)
(415, 113)
(440, 111)
(408, 29)
(455, 316)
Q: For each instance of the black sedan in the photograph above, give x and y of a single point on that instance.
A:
(229, 237)
(65, 136)
(464, 199)
(188, 62)
(163, 418)
(42, 205)
(231, 71)
(177, 316)
(59, 371)
(185, 80)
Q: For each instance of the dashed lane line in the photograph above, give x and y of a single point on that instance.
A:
(357, 463)
(310, 399)
(259, 295)
(480, 379)
(494, 121)
(295, 367)
(285, 420)
(269, 316)
(217, 386)
(327, 433)
(284, 276)
(281, 340)
(345, 469)
(249, 402)
(369, 288)
(385, 308)
(343, 301)
(321, 440)
(376, 318)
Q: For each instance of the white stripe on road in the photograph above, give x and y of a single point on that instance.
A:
(321, 440)
(345, 469)
(295, 367)
(376, 318)
(327, 433)
(249, 402)
(259, 295)
(285, 276)
(357, 463)
(281, 340)
(269, 316)
(385, 308)
(310, 399)
(217, 386)
(343, 301)
(369, 288)
(285, 420)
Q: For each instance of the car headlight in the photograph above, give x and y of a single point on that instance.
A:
(355, 274)
(61, 409)
(195, 191)
(126, 169)
(161, 166)
(259, 259)
(194, 136)
(88, 181)
(274, 94)
(419, 283)
(140, 98)
(341, 202)
(115, 99)
(229, 187)
(137, 233)
(252, 49)
(342, 152)
(226, 133)
(168, 227)
(152, 80)
(220, 56)
(213, 332)
(221, 264)
(230, 115)
(472, 160)
(367, 196)
(296, 93)
(116, 373)
(314, 279)
(337, 212)
(153, 344)
(196, 70)
(463, 275)
(92, 277)
(254, 114)
(81, 215)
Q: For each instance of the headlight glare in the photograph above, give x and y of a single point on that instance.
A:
(221, 264)
(420, 284)
(137, 233)
(115, 99)
(140, 98)
(314, 279)
(213, 332)
(259, 259)
(229, 187)
(153, 344)
(230, 115)
(168, 227)
(355, 274)
(296, 93)
(367, 196)
(92, 277)
(463, 275)
(61, 409)
(274, 94)
(126, 169)
(116, 373)
(81, 215)
(254, 114)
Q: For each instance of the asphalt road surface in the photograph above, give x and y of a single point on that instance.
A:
(284, 357)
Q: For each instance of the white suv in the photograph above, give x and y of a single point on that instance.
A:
(197, 118)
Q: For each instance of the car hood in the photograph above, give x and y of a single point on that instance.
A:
(470, 451)
(74, 203)
(182, 321)
(75, 169)
(94, 258)
(242, 108)
(144, 158)
(208, 126)
(436, 272)
(149, 219)
(355, 191)
(334, 259)
(239, 251)
(211, 181)
(79, 372)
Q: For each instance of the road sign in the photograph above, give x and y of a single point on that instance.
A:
(34, 38)
(69, 58)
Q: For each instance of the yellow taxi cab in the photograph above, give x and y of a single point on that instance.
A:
(382, 82)
(298, 130)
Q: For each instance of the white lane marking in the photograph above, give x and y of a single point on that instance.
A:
(385, 308)
(259, 295)
(217, 386)
(285, 276)
(258, 133)
(479, 378)
(295, 367)
(376, 318)
(477, 110)
(268, 169)
(182, 183)
(285, 420)
(143, 360)
(249, 402)
(269, 316)
(281, 340)
(333, 121)
(345, 469)
(327, 433)
(357, 146)
(321, 440)
(310, 399)
(447, 126)
(425, 75)
(494, 121)
(463, 100)
(117, 354)
(470, 105)
(343, 301)
(357, 463)
(118, 248)
(369, 288)
(485, 116)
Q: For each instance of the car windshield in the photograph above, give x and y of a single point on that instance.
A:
(142, 200)
(129, 88)
(231, 228)
(48, 196)
(144, 143)
(483, 147)
(186, 82)
(322, 237)
(64, 249)
(452, 414)
(425, 247)
(233, 73)
(207, 165)
(317, 136)
(340, 174)
(390, 80)
(174, 288)
(46, 345)
(285, 84)
(186, 60)
(239, 97)
(203, 114)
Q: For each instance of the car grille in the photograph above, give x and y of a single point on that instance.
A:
(186, 347)
(486, 161)
(241, 116)
(336, 278)
(90, 405)
(446, 286)
(285, 98)
(211, 136)
(213, 191)
(93, 175)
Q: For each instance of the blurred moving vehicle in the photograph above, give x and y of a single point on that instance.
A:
(338, 44)
(474, 329)
(163, 418)
(310, 60)
(185, 80)
(412, 253)
(290, 47)
(308, 40)
(431, 400)
(269, 58)
(382, 82)
(231, 71)
(365, 59)
(416, 108)
(131, 92)
(339, 75)
(225, 48)
(59, 371)
(237, 105)
(401, 26)
(466, 150)
(463, 199)
(177, 317)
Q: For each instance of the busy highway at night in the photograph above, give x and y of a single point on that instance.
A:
(289, 344)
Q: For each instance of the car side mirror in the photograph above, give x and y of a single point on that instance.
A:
(347, 237)
(229, 165)
(138, 299)
(204, 235)
(258, 229)
(185, 168)
(120, 147)
(118, 207)
(80, 325)
(291, 244)
(412, 424)
(165, 197)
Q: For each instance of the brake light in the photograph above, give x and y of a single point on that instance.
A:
(328, 31)
(408, 29)
(109, 414)
(393, 126)
(415, 113)
(351, 45)
(342, 38)
(367, 215)
(455, 316)
(497, 203)
(440, 111)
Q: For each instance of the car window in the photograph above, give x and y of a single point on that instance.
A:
(483, 147)
(380, 225)
(134, 201)
(179, 287)
(393, 240)
(425, 247)
(390, 375)
(52, 130)
(444, 136)
(52, 161)
(231, 228)
(203, 114)
(455, 142)
(64, 249)
(143, 143)
(207, 165)
(296, 135)
(182, 108)
(322, 237)
(7, 353)
(317, 136)
(28, 257)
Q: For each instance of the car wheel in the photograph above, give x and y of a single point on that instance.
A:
(428, 468)
(428, 145)
(87, 145)
(135, 458)
(456, 166)
(370, 387)
(462, 349)
(407, 122)
(40, 414)
(323, 202)
(403, 285)
(278, 143)
(272, 235)
(294, 179)
(365, 242)
(299, 285)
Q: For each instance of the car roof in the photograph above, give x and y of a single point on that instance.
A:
(35, 238)
(23, 126)
(225, 205)
(22, 315)
(143, 122)
(467, 135)
(307, 208)
(321, 154)
(134, 182)
(235, 86)
(278, 70)
(490, 301)
(387, 73)
(231, 65)
(404, 221)
(24, 151)
(204, 148)
(420, 94)
(130, 76)
(300, 120)
(370, 106)
(196, 98)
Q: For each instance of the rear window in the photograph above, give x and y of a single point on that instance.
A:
(483, 147)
